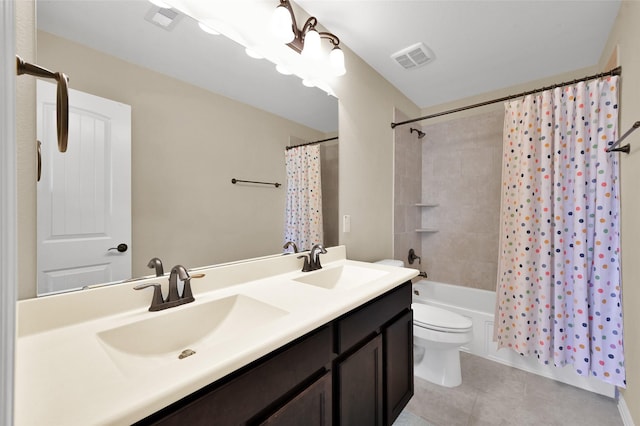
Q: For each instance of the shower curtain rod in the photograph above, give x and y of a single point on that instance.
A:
(311, 143)
(615, 71)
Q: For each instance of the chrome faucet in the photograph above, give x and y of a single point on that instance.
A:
(314, 256)
(157, 264)
(173, 298)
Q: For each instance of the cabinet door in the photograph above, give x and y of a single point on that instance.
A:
(311, 407)
(398, 372)
(359, 387)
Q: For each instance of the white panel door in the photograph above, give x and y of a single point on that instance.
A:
(84, 194)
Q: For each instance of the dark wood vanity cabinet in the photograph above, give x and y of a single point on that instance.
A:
(398, 366)
(355, 370)
(375, 363)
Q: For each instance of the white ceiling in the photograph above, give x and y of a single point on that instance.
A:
(479, 45)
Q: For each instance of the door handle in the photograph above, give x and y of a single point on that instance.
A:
(39, 159)
(122, 247)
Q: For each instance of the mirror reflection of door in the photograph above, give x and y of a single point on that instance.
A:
(84, 195)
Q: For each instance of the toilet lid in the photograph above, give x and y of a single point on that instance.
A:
(439, 319)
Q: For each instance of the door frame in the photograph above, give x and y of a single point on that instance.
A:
(8, 210)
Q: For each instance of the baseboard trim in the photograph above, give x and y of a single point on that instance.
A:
(627, 420)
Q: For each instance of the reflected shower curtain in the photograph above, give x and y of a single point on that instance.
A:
(303, 211)
(559, 281)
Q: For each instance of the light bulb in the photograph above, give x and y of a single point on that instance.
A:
(207, 29)
(160, 3)
(282, 25)
(312, 47)
(336, 59)
(253, 54)
(283, 70)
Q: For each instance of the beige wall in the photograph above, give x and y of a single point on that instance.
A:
(329, 169)
(367, 103)
(187, 144)
(625, 36)
(26, 150)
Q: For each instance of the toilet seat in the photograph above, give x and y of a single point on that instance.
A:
(438, 319)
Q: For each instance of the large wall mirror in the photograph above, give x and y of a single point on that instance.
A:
(202, 113)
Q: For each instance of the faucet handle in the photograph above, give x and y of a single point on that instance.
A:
(157, 300)
(307, 266)
(187, 295)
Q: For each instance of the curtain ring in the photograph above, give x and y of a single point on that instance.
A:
(62, 111)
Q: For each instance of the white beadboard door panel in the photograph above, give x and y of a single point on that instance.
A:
(84, 194)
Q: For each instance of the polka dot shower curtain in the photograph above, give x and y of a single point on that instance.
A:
(303, 211)
(559, 285)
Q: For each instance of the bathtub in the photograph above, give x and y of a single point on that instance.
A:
(478, 305)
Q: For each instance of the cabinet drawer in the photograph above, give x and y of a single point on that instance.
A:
(311, 407)
(250, 392)
(367, 320)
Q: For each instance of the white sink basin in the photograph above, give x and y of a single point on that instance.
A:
(163, 336)
(341, 277)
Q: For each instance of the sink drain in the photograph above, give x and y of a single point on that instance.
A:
(186, 353)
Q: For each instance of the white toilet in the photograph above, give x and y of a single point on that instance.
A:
(437, 337)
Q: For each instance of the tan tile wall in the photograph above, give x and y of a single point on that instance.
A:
(461, 171)
(329, 160)
(407, 190)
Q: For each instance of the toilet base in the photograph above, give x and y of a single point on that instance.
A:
(439, 366)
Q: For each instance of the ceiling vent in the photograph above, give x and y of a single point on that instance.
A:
(414, 56)
(164, 18)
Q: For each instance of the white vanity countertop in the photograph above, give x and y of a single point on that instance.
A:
(69, 372)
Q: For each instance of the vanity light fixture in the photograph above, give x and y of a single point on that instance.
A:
(306, 40)
(252, 53)
(207, 28)
(283, 70)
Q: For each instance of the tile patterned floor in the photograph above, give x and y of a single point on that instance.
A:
(498, 395)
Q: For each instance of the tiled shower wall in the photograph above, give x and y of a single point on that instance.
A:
(329, 161)
(461, 172)
(407, 189)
